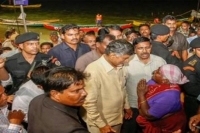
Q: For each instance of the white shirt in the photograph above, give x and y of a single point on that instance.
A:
(137, 70)
(24, 95)
(7, 82)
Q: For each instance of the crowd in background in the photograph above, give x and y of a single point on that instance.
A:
(112, 81)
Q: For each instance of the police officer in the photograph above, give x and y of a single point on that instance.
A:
(16, 68)
(191, 69)
(159, 35)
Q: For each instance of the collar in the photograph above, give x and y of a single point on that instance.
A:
(4, 110)
(108, 67)
(66, 46)
(95, 54)
(72, 111)
(159, 44)
(4, 107)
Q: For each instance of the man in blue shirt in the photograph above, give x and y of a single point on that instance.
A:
(70, 49)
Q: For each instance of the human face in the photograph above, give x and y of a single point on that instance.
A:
(3, 97)
(185, 26)
(116, 33)
(81, 33)
(102, 46)
(71, 36)
(145, 31)
(131, 37)
(30, 47)
(197, 52)
(164, 38)
(74, 95)
(143, 50)
(191, 35)
(157, 76)
(90, 41)
(119, 60)
(54, 38)
(45, 49)
(171, 24)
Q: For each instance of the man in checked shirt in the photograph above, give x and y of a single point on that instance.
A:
(10, 121)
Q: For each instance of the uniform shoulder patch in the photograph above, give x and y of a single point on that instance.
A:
(192, 62)
(190, 68)
(56, 62)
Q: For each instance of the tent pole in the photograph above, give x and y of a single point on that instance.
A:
(23, 17)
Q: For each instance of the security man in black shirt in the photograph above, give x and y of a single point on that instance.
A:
(17, 67)
(191, 69)
(159, 35)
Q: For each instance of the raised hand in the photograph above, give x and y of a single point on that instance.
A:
(142, 87)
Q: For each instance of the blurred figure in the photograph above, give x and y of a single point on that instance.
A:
(45, 47)
(156, 21)
(9, 40)
(101, 44)
(192, 33)
(12, 52)
(55, 38)
(198, 31)
(159, 35)
(99, 20)
(131, 35)
(191, 69)
(6, 50)
(90, 39)
(81, 33)
(116, 31)
(144, 30)
(10, 120)
(184, 28)
(180, 45)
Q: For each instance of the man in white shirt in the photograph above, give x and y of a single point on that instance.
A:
(140, 67)
(29, 90)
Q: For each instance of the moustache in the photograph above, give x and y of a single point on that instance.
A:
(144, 53)
(74, 39)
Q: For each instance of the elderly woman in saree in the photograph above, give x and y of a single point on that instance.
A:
(159, 101)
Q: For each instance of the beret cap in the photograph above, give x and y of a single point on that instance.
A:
(195, 43)
(28, 36)
(160, 29)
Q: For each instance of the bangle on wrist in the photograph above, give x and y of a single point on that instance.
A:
(143, 102)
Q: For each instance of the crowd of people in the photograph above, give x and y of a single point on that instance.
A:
(113, 81)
